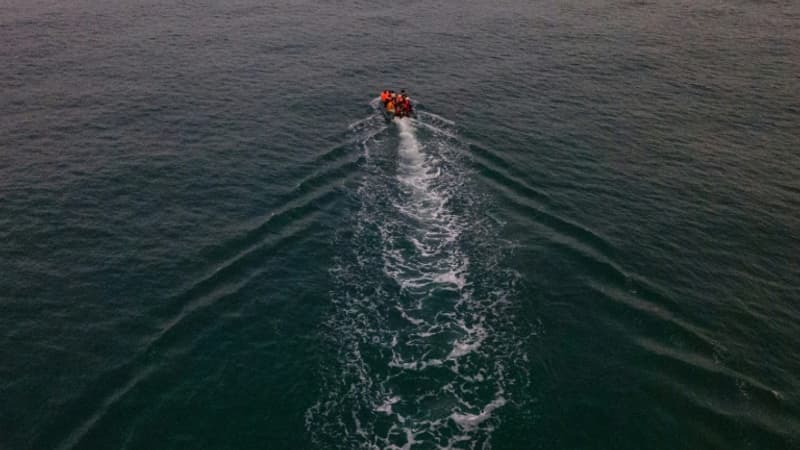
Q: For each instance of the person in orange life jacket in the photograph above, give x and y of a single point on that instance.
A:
(390, 106)
(384, 97)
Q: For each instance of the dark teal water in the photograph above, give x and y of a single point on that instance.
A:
(588, 239)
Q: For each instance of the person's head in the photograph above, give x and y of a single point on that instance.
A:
(403, 91)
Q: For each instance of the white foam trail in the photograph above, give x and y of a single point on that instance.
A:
(409, 311)
(386, 406)
(467, 346)
(469, 421)
(409, 318)
(412, 162)
(452, 277)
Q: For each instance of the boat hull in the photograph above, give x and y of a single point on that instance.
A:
(389, 116)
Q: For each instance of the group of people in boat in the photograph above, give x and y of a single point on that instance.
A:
(397, 105)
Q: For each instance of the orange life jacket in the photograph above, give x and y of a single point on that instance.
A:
(384, 96)
(390, 106)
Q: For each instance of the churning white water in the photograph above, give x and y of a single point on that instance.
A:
(421, 354)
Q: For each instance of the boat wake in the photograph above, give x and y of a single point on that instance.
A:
(423, 318)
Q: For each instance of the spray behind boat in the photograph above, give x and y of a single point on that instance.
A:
(422, 327)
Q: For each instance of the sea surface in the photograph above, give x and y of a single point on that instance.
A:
(588, 238)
